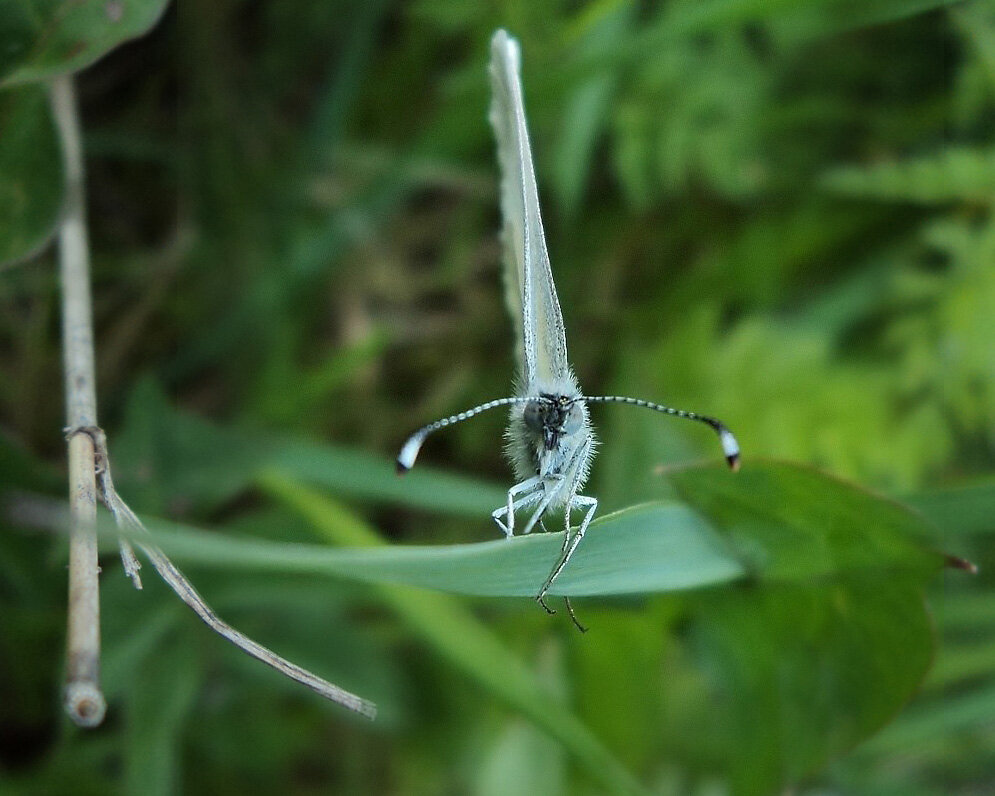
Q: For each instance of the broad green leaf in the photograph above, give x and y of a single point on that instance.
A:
(614, 673)
(30, 172)
(790, 675)
(773, 521)
(826, 642)
(40, 39)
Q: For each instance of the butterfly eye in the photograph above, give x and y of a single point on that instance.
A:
(533, 415)
(573, 419)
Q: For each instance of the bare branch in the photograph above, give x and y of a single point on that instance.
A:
(84, 701)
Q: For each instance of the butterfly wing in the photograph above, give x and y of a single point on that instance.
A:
(528, 280)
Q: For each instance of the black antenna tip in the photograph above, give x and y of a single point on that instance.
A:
(401, 467)
(733, 462)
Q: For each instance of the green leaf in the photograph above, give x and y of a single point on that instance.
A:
(803, 18)
(775, 522)
(30, 172)
(831, 638)
(827, 17)
(650, 548)
(584, 120)
(791, 675)
(936, 722)
(40, 39)
(522, 760)
(793, 523)
(976, 24)
(587, 111)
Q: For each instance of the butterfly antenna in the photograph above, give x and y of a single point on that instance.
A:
(729, 445)
(406, 458)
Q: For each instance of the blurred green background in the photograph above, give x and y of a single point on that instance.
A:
(778, 213)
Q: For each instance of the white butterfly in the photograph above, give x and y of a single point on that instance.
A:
(549, 438)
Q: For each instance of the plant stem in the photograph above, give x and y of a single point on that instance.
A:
(84, 701)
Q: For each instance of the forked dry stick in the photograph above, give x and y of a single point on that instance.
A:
(90, 472)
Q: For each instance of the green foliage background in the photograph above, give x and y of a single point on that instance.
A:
(779, 213)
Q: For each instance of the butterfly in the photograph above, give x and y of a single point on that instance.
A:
(550, 441)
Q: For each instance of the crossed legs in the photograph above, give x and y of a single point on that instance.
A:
(543, 491)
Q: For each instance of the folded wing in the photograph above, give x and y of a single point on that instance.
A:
(542, 348)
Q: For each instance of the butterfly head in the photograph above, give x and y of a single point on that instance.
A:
(551, 417)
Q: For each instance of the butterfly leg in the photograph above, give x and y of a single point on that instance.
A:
(528, 485)
(509, 530)
(566, 600)
(569, 542)
(573, 616)
(553, 484)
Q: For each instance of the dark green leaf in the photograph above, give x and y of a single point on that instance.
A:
(30, 172)
(40, 39)
(793, 674)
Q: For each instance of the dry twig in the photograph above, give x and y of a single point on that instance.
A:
(169, 572)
